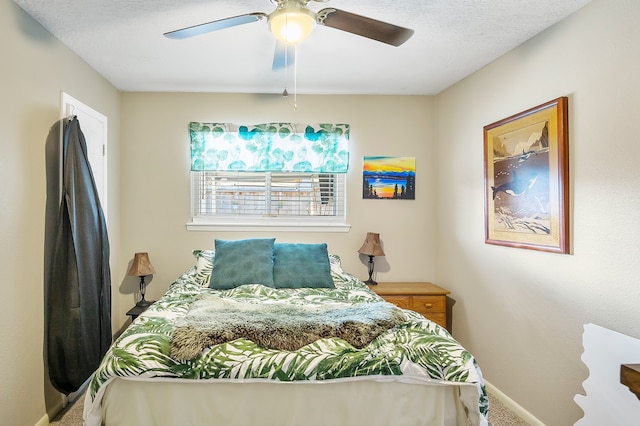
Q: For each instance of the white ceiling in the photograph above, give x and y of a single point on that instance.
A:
(123, 41)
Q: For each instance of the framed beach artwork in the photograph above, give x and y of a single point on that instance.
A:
(527, 179)
(389, 178)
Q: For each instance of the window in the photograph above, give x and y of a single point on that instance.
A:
(286, 179)
(268, 198)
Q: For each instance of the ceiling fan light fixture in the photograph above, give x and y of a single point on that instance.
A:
(292, 24)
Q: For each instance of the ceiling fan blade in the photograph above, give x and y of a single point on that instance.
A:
(215, 25)
(284, 55)
(363, 26)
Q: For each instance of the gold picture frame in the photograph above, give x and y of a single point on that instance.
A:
(527, 179)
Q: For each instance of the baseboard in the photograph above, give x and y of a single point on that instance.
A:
(44, 421)
(512, 405)
(61, 405)
(53, 412)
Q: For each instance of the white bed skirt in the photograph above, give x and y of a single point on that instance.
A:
(353, 403)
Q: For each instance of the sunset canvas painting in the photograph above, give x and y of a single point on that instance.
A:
(389, 178)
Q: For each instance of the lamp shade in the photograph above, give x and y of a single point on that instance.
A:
(292, 24)
(141, 266)
(371, 246)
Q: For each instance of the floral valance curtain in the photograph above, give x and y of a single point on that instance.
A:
(281, 147)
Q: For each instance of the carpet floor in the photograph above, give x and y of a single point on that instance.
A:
(499, 415)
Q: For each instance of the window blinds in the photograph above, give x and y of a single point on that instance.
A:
(267, 194)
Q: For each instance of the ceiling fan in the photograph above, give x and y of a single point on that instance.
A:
(292, 21)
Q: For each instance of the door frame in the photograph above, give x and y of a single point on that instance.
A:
(72, 106)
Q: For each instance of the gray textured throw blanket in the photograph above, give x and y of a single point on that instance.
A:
(213, 320)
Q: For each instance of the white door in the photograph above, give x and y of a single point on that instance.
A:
(94, 127)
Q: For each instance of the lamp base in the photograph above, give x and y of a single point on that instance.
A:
(144, 303)
(370, 281)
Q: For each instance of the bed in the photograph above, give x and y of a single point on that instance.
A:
(328, 351)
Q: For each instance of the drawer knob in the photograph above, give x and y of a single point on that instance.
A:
(428, 305)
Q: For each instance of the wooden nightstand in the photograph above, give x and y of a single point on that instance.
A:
(137, 310)
(423, 297)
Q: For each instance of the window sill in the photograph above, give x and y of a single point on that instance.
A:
(262, 226)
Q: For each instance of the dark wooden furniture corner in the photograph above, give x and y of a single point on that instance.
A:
(137, 310)
(630, 377)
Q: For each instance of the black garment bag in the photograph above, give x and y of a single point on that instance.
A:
(77, 278)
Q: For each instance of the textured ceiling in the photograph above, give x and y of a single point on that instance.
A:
(123, 41)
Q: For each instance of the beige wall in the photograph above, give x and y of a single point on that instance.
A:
(35, 68)
(521, 312)
(155, 176)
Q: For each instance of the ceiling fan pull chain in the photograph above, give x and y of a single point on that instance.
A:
(286, 71)
(295, 77)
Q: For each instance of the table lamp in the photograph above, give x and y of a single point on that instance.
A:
(141, 267)
(371, 248)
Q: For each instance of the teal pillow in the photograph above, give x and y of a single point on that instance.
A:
(301, 265)
(241, 262)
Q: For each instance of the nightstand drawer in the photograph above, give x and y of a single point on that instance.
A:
(403, 302)
(428, 304)
(440, 319)
(422, 304)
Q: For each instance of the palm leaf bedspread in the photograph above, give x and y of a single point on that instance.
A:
(417, 349)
